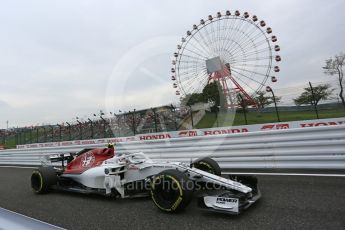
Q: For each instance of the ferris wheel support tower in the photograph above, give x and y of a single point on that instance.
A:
(235, 50)
(221, 73)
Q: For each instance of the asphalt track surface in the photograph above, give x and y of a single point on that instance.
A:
(288, 202)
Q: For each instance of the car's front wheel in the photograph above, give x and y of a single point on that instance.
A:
(171, 190)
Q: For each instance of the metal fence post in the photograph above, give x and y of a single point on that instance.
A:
(91, 124)
(37, 134)
(314, 101)
(52, 133)
(191, 115)
(133, 122)
(69, 131)
(155, 119)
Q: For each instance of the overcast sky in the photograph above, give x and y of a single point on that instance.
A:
(62, 59)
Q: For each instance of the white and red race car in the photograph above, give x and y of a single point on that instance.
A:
(171, 185)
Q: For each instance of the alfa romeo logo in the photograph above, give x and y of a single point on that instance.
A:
(87, 160)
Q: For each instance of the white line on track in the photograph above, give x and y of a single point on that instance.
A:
(13, 220)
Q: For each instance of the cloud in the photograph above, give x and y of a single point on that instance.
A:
(59, 59)
(4, 105)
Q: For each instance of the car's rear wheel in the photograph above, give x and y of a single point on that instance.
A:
(171, 190)
(42, 179)
(208, 165)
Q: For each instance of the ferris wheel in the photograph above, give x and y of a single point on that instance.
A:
(238, 51)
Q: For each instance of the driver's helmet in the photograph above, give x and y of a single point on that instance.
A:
(111, 145)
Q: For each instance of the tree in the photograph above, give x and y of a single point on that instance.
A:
(243, 104)
(191, 99)
(262, 100)
(334, 66)
(321, 92)
(211, 93)
(242, 101)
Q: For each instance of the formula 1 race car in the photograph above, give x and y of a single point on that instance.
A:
(171, 185)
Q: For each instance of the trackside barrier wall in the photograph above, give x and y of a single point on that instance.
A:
(300, 148)
(197, 132)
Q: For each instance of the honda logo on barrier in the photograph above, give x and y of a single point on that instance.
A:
(155, 137)
(225, 131)
(316, 124)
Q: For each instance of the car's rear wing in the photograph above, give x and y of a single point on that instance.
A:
(63, 158)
